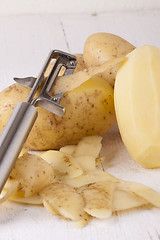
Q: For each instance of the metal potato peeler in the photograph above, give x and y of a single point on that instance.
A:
(24, 114)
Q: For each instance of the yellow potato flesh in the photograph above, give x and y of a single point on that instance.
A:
(137, 104)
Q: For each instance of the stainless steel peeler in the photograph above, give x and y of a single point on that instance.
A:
(24, 114)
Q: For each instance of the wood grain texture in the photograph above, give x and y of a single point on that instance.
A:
(24, 44)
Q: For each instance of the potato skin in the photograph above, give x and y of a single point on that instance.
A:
(89, 111)
(80, 63)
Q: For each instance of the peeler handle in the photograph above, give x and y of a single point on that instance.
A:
(14, 136)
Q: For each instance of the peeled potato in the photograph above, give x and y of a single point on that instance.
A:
(137, 104)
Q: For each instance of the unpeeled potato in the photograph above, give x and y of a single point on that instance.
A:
(100, 48)
(89, 111)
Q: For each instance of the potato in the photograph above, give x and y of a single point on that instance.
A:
(89, 111)
(137, 105)
(100, 48)
(84, 115)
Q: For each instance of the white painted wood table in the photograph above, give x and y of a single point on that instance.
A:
(24, 44)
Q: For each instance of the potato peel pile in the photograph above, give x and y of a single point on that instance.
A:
(69, 183)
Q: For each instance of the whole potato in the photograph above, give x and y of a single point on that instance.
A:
(103, 48)
(89, 111)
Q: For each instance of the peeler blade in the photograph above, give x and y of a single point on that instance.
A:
(27, 81)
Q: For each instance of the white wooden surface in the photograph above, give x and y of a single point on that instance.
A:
(8, 7)
(24, 44)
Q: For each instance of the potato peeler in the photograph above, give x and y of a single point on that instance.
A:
(25, 114)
